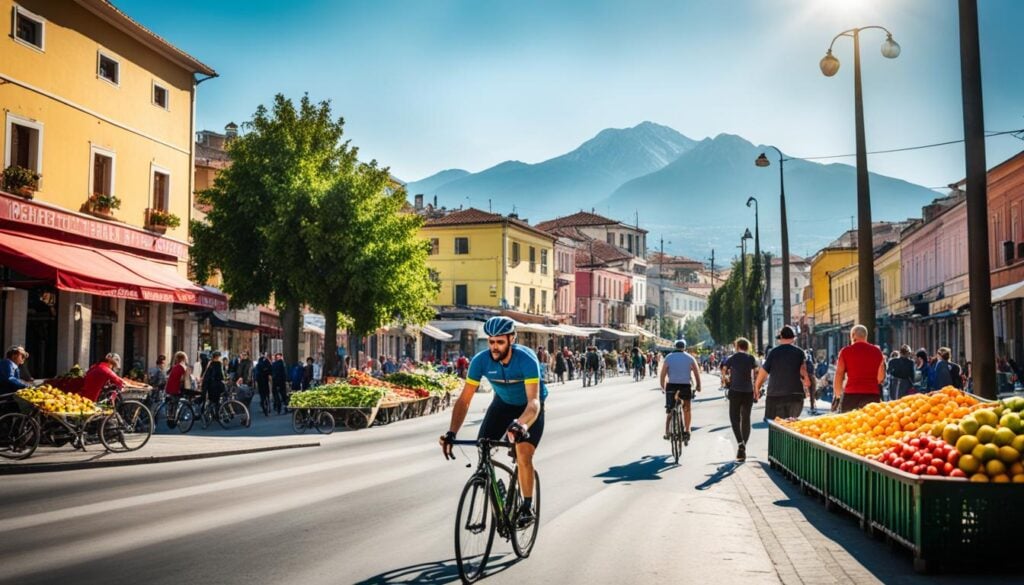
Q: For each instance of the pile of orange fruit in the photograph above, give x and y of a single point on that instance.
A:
(869, 431)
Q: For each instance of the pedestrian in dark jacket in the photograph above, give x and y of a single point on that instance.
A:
(560, 366)
(262, 373)
(213, 380)
(279, 379)
(307, 374)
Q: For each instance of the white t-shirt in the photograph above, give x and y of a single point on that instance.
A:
(679, 364)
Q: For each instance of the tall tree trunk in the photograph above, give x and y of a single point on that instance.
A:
(330, 337)
(291, 324)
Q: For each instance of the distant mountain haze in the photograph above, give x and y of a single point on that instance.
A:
(691, 193)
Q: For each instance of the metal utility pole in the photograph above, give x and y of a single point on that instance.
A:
(758, 269)
(983, 354)
(712, 269)
(762, 161)
(743, 282)
(768, 292)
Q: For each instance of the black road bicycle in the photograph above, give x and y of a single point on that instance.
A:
(490, 504)
(676, 430)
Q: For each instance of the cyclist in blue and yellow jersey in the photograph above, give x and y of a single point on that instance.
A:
(517, 409)
(679, 374)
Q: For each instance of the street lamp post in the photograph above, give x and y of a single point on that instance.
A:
(759, 310)
(762, 161)
(743, 280)
(865, 242)
(661, 287)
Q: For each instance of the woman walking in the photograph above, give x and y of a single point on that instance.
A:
(739, 370)
(560, 366)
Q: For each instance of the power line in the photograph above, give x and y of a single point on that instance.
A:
(908, 148)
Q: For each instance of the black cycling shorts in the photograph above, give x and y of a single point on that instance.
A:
(500, 414)
(685, 393)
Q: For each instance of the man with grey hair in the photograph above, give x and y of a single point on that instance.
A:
(859, 372)
(901, 373)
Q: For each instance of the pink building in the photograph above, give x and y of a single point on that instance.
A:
(933, 275)
(565, 280)
(600, 292)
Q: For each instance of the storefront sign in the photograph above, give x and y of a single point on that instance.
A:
(32, 214)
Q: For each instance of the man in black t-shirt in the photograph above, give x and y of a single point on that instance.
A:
(901, 374)
(789, 382)
(740, 367)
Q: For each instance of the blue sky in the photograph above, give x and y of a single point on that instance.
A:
(430, 85)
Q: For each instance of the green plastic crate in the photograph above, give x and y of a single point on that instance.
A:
(946, 523)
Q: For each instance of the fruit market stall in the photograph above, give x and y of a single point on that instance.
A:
(62, 417)
(940, 474)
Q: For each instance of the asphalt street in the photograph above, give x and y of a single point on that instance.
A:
(378, 506)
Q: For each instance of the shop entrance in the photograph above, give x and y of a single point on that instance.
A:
(101, 335)
(41, 332)
(136, 339)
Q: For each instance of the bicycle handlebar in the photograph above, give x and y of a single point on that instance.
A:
(484, 442)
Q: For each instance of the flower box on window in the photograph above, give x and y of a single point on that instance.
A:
(159, 220)
(21, 181)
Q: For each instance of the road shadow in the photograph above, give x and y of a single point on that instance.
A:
(437, 572)
(724, 470)
(647, 468)
(708, 399)
(888, 563)
(721, 428)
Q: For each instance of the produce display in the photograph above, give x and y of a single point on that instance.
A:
(337, 396)
(395, 393)
(55, 401)
(415, 380)
(943, 433)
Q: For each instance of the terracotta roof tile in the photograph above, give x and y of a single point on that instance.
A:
(473, 216)
(580, 219)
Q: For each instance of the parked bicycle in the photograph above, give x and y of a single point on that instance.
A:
(128, 426)
(229, 412)
(304, 419)
(177, 411)
(489, 504)
(19, 432)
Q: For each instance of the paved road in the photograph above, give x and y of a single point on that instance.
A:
(377, 506)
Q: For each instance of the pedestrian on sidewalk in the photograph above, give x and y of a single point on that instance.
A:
(243, 371)
(279, 380)
(859, 372)
(944, 372)
(813, 390)
(307, 374)
(156, 376)
(10, 374)
(213, 380)
(789, 382)
(739, 368)
(901, 374)
(560, 366)
(178, 377)
(262, 373)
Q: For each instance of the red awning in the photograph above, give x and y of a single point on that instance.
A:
(107, 273)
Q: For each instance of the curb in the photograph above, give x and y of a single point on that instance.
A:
(21, 468)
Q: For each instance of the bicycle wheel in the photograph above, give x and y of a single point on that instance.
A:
(186, 417)
(161, 412)
(233, 413)
(128, 428)
(206, 415)
(325, 422)
(523, 538)
(301, 420)
(474, 529)
(676, 435)
(19, 436)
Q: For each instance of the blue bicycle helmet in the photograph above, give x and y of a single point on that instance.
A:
(499, 326)
(680, 344)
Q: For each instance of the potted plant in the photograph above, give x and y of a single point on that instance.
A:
(159, 220)
(21, 181)
(103, 204)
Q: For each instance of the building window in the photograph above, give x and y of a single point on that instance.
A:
(161, 97)
(533, 259)
(161, 189)
(29, 29)
(611, 238)
(462, 294)
(108, 68)
(533, 300)
(435, 246)
(102, 171)
(24, 146)
(462, 245)
(543, 301)
(543, 261)
(515, 254)
(517, 297)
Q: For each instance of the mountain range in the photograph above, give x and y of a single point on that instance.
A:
(690, 193)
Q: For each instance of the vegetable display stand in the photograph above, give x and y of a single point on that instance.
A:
(944, 522)
(353, 418)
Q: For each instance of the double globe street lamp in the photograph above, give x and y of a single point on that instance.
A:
(865, 242)
(758, 271)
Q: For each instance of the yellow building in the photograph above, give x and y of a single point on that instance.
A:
(102, 109)
(488, 260)
(824, 263)
(844, 295)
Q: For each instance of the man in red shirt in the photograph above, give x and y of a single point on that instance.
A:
(859, 372)
(100, 375)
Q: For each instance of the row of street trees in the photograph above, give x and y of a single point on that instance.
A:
(726, 304)
(298, 220)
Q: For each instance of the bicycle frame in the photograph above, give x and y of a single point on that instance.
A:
(485, 470)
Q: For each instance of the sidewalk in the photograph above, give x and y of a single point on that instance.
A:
(266, 434)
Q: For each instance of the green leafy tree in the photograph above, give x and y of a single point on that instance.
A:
(286, 157)
(368, 261)
(695, 331)
(724, 313)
